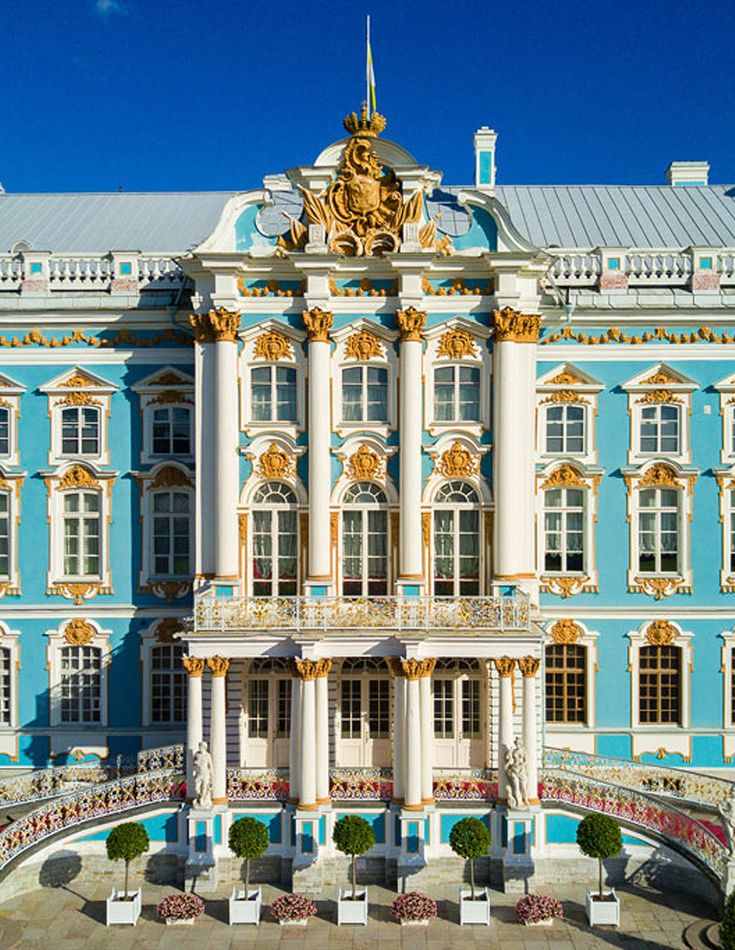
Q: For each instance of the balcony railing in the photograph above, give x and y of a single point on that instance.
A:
(506, 610)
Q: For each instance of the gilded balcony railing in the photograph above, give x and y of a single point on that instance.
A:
(505, 610)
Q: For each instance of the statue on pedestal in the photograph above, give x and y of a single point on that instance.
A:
(727, 812)
(202, 777)
(516, 773)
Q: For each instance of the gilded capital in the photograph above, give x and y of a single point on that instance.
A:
(514, 327)
(219, 665)
(318, 324)
(505, 665)
(528, 665)
(323, 666)
(194, 665)
(216, 326)
(418, 669)
(411, 324)
(308, 669)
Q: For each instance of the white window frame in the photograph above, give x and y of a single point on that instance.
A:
(365, 508)
(272, 508)
(166, 388)
(56, 643)
(10, 641)
(727, 667)
(669, 733)
(726, 486)
(375, 669)
(292, 356)
(660, 385)
(384, 357)
(438, 355)
(574, 735)
(10, 393)
(568, 385)
(79, 389)
(277, 745)
(457, 507)
(165, 477)
(158, 634)
(11, 484)
(564, 510)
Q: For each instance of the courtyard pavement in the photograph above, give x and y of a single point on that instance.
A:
(73, 919)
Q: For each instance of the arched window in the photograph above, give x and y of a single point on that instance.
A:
(82, 524)
(564, 530)
(659, 685)
(456, 540)
(168, 684)
(80, 685)
(172, 528)
(566, 683)
(658, 530)
(275, 541)
(365, 541)
(80, 431)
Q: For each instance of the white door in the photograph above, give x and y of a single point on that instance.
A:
(363, 715)
(265, 719)
(460, 719)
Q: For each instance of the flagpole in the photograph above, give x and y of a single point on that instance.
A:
(367, 64)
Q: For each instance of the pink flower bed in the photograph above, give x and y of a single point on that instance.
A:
(292, 907)
(414, 906)
(533, 908)
(180, 907)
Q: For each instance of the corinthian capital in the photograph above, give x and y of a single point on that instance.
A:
(528, 665)
(514, 327)
(418, 669)
(219, 665)
(307, 669)
(217, 325)
(318, 323)
(410, 324)
(504, 665)
(194, 665)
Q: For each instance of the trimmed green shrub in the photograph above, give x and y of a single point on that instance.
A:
(598, 836)
(354, 836)
(470, 839)
(248, 839)
(727, 927)
(127, 842)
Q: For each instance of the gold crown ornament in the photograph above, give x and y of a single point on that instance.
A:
(364, 126)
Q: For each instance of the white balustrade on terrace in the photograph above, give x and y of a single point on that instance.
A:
(506, 610)
(649, 267)
(80, 272)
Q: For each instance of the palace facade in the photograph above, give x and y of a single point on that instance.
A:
(360, 477)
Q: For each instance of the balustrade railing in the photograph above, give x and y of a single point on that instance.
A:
(497, 613)
(257, 785)
(361, 784)
(707, 790)
(663, 267)
(92, 272)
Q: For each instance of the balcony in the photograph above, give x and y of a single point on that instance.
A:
(506, 610)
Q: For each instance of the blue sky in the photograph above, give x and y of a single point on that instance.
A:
(186, 94)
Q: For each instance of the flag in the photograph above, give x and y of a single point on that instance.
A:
(370, 74)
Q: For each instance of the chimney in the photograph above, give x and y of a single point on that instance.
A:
(687, 174)
(485, 139)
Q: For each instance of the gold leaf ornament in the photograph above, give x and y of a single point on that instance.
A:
(364, 464)
(275, 463)
(78, 633)
(363, 346)
(457, 462)
(456, 344)
(273, 346)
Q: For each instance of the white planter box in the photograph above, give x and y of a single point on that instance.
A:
(601, 913)
(414, 923)
(294, 923)
(349, 911)
(245, 910)
(119, 911)
(539, 923)
(477, 911)
(184, 922)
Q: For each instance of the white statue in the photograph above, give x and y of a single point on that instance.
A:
(727, 811)
(202, 777)
(516, 774)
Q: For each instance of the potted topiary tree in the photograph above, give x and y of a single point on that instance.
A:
(248, 839)
(470, 839)
(354, 836)
(598, 836)
(126, 842)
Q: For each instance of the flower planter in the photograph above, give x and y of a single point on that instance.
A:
(245, 909)
(180, 909)
(180, 921)
(294, 923)
(414, 923)
(539, 923)
(474, 911)
(120, 911)
(352, 911)
(603, 912)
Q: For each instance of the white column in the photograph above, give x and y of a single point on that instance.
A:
(294, 758)
(427, 734)
(529, 666)
(514, 383)
(317, 323)
(505, 666)
(216, 332)
(410, 323)
(307, 755)
(412, 778)
(217, 727)
(399, 732)
(322, 730)
(205, 436)
(194, 667)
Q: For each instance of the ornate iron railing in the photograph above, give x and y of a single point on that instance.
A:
(362, 784)
(505, 610)
(88, 804)
(652, 779)
(257, 785)
(679, 830)
(465, 785)
(61, 779)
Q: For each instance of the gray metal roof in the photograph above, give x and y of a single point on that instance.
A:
(95, 223)
(588, 216)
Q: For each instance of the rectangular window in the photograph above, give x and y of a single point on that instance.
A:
(4, 432)
(171, 431)
(471, 709)
(564, 530)
(168, 684)
(273, 394)
(565, 430)
(171, 533)
(283, 711)
(351, 709)
(658, 531)
(82, 534)
(659, 685)
(457, 394)
(379, 709)
(444, 708)
(4, 534)
(365, 394)
(732, 531)
(258, 709)
(81, 684)
(659, 431)
(566, 683)
(6, 683)
(80, 431)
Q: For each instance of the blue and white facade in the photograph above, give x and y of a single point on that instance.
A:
(432, 468)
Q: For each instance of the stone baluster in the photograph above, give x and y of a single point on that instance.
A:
(529, 666)
(194, 666)
(219, 666)
(505, 665)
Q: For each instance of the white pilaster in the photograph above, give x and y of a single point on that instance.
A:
(307, 756)
(529, 666)
(194, 667)
(294, 758)
(410, 323)
(218, 733)
(514, 382)
(317, 323)
(427, 735)
(399, 733)
(505, 666)
(322, 731)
